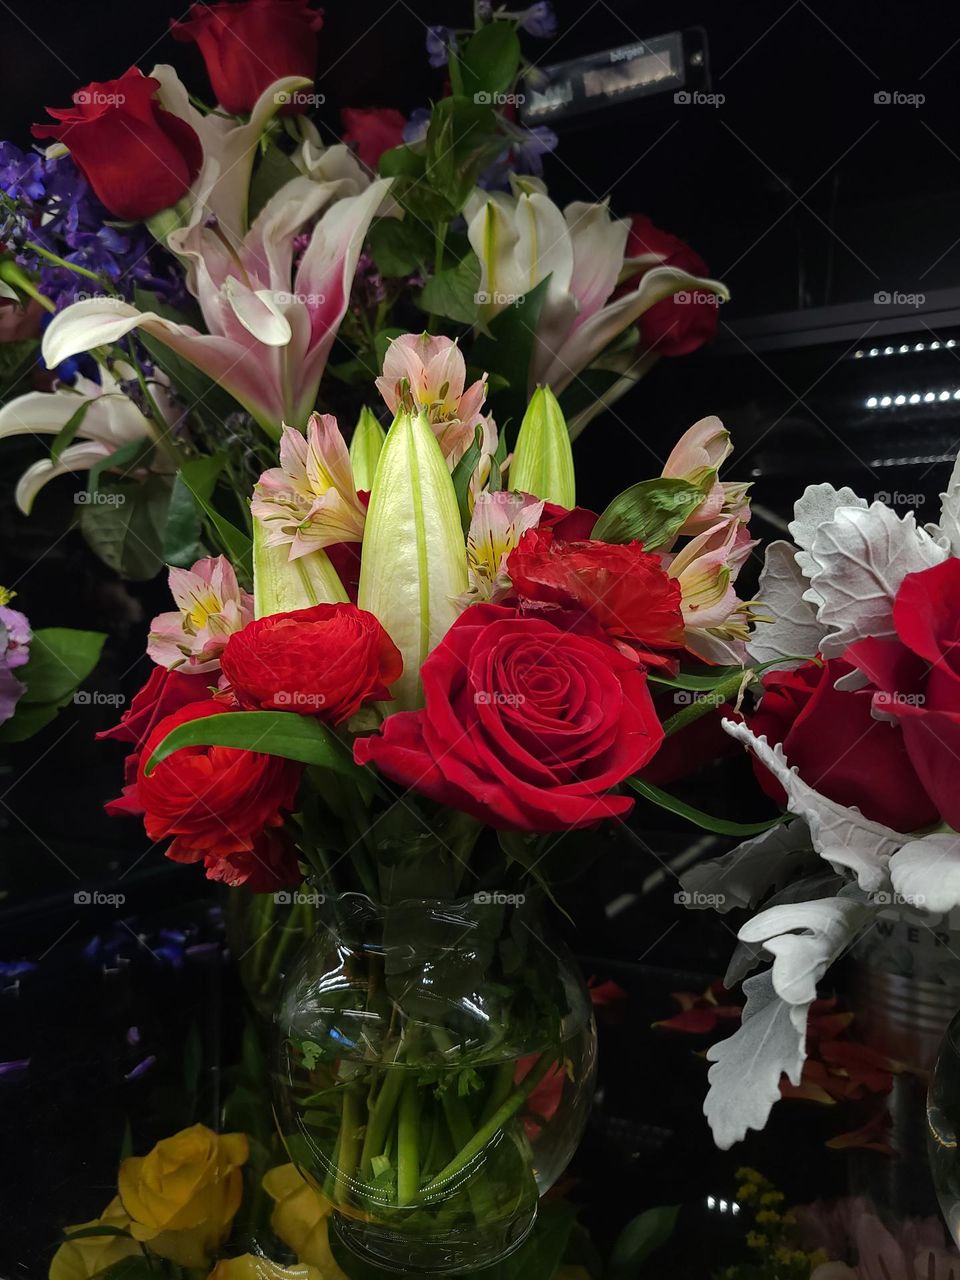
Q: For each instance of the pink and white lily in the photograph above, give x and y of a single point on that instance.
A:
(523, 238)
(111, 421)
(705, 447)
(310, 501)
(210, 608)
(716, 621)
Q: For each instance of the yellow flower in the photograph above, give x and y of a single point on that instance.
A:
(251, 1266)
(81, 1259)
(768, 1217)
(184, 1195)
(300, 1219)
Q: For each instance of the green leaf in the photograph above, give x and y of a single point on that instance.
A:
(719, 826)
(60, 660)
(687, 680)
(650, 512)
(462, 475)
(462, 137)
(639, 1239)
(128, 457)
(125, 525)
(506, 349)
(400, 247)
(28, 720)
(16, 358)
(101, 1229)
(452, 293)
(67, 433)
(199, 475)
(274, 170)
(136, 1267)
(490, 61)
(402, 162)
(182, 534)
(273, 733)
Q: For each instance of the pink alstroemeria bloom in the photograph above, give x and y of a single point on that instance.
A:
(270, 326)
(716, 620)
(210, 608)
(310, 501)
(431, 371)
(705, 447)
(499, 522)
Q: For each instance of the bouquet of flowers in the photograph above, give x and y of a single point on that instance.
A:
(856, 741)
(204, 274)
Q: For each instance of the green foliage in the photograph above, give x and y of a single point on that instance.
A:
(124, 525)
(638, 1240)
(60, 660)
(652, 511)
(506, 350)
(719, 826)
(400, 247)
(452, 292)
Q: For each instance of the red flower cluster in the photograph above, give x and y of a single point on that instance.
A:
(326, 661)
(529, 722)
(672, 327)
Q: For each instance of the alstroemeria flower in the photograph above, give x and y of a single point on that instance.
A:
(705, 447)
(15, 637)
(210, 608)
(111, 421)
(421, 371)
(716, 621)
(310, 501)
(499, 522)
(523, 238)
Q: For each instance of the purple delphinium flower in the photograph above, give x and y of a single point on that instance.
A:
(415, 130)
(529, 149)
(142, 1068)
(441, 42)
(540, 20)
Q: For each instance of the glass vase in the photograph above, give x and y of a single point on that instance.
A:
(434, 1072)
(943, 1127)
(265, 932)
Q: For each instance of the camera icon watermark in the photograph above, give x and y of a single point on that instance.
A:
(697, 298)
(496, 698)
(896, 98)
(97, 98)
(95, 898)
(496, 299)
(696, 98)
(890, 898)
(689, 697)
(494, 898)
(285, 299)
(485, 98)
(698, 900)
(894, 298)
(84, 498)
(298, 898)
(897, 498)
(98, 698)
(298, 98)
(299, 699)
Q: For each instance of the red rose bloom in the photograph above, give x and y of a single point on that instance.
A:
(527, 725)
(916, 679)
(838, 748)
(326, 661)
(248, 46)
(137, 157)
(669, 327)
(624, 588)
(214, 801)
(372, 131)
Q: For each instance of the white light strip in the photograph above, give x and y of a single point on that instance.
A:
(904, 348)
(914, 397)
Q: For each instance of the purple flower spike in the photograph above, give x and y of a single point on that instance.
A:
(141, 1068)
(540, 20)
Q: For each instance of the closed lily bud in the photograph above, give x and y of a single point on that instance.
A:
(543, 459)
(281, 584)
(414, 564)
(368, 438)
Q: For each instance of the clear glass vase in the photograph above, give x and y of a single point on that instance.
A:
(943, 1127)
(434, 1072)
(265, 932)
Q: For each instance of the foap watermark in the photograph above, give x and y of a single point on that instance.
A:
(496, 299)
(897, 498)
(494, 898)
(486, 99)
(299, 98)
(697, 98)
(890, 898)
(894, 298)
(298, 898)
(892, 698)
(98, 698)
(496, 698)
(97, 98)
(285, 299)
(687, 698)
(702, 901)
(96, 898)
(697, 298)
(897, 98)
(300, 698)
(100, 498)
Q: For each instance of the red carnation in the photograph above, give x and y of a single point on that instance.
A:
(680, 324)
(373, 130)
(528, 723)
(249, 46)
(325, 661)
(624, 588)
(137, 157)
(215, 802)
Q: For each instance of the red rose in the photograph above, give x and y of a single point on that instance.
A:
(837, 747)
(137, 157)
(916, 679)
(326, 661)
(249, 46)
(528, 723)
(624, 588)
(373, 130)
(214, 801)
(669, 327)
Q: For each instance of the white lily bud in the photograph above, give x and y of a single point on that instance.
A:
(543, 458)
(281, 585)
(368, 438)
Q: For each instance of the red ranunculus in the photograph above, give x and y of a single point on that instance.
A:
(573, 524)
(326, 661)
(624, 588)
(373, 130)
(678, 325)
(270, 865)
(249, 45)
(137, 157)
(215, 802)
(528, 722)
(917, 681)
(838, 748)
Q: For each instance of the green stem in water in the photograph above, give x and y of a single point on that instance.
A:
(470, 1150)
(499, 1090)
(408, 1153)
(348, 1146)
(380, 1117)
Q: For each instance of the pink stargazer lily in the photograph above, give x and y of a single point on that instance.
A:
(310, 501)
(210, 607)
(270, 327)
(705, 447)
(716, 620)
